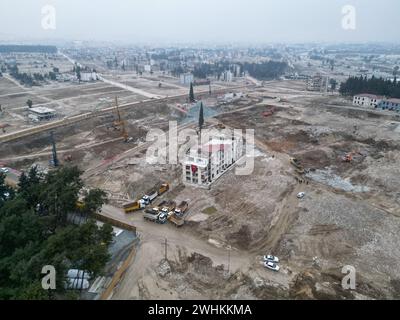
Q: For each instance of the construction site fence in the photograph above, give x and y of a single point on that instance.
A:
(115, 222)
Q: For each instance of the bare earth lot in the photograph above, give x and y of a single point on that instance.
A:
(350, 214)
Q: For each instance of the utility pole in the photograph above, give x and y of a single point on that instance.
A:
(165, 248)
(229, 259)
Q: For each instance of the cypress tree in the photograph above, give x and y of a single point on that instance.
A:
(191, 93)
(201, 116)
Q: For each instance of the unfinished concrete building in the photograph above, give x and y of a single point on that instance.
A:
(205, 164)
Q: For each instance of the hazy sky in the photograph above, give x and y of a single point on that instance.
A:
(202, 20)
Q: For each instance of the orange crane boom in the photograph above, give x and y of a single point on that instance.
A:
(120, 122)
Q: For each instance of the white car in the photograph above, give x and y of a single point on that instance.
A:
(272, 266)
(271, 258)
(301, 195)
(4, 170)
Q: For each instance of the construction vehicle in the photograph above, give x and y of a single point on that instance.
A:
(158, 190)
(177, 218)
(133, 206)
(120, 123)
(295, 162)
(168, 205)
(181, 209)
(297, 166)
(150, 196)
(163, 188)
(155, 215)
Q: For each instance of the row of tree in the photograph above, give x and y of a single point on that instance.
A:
(27, 48)
(31, 79)
(35, 231)
(378, 86)
(266, 70)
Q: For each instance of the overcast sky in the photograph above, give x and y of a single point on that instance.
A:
(202, 20)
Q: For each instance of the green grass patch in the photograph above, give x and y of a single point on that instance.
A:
(210, 210)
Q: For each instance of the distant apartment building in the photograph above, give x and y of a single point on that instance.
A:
(203, 165)
(389, 104)
(317, 83)
(367, 100)
(147, 68)
(373, 101)
(237, 70)
(186, 79)
(88, 76)
(227, 76)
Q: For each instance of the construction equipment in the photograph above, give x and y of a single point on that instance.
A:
(120, 123)
(133, 206)
(297, 166)
(163, 188)
(177, 217)
(147, 199)
(181, 209)
(150, 196)
(155, 215)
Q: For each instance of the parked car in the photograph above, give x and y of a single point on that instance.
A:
(271, 258)
(4, 170)
(272, 266)
(301, 195)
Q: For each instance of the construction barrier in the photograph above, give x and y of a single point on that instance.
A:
(116, 223)
(118, 275)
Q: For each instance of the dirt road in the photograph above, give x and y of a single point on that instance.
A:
(152, 248)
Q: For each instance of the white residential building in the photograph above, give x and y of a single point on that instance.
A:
(203, 165)
(366, 99)
(88, 76)
(186, 79)
(227, 76)
(41, 114)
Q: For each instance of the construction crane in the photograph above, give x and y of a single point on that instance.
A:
(120, 123)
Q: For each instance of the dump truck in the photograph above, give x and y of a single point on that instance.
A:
(177, 217)
(150, 196)
(155, 215)
(151, 215)
(177, 221)
(163, 188)
(168, 205)
(134, 206)
(181, 209)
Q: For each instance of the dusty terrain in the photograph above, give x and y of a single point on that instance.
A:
(349, 216)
